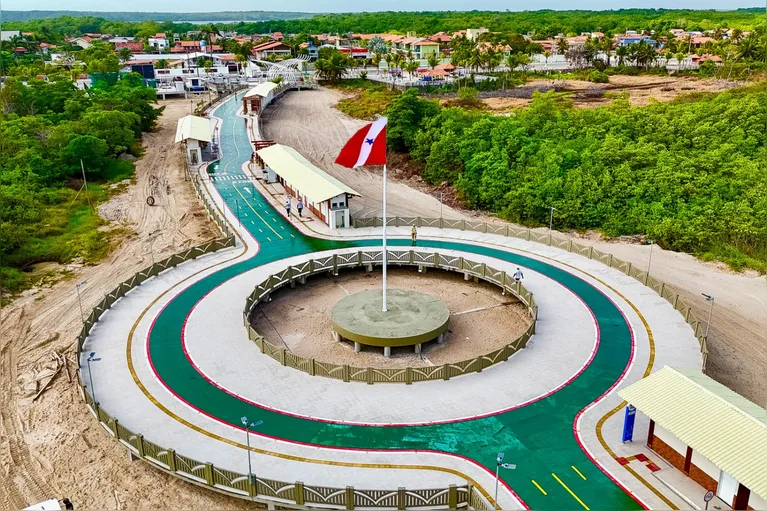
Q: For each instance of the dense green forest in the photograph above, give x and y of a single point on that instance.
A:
(47, 128)
(540, 23)
(224, 16)
(690, 174)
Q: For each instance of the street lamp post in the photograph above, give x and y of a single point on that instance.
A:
(92, 358)
(551, 217)
(249, 425)
(79, 302)
(499, 464)
(649, 263)
(709, 298)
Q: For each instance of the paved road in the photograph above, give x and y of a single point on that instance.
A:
(538, 437)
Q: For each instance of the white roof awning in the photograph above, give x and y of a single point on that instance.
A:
(299, 173)
(262, 89)
(715, 421)
(191, 126)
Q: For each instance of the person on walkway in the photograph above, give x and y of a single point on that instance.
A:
(287, 206)
(414, 234)
(67, 503)
(300, 207)
(518, 275)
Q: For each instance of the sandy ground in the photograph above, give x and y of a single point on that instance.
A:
(306, 121)
(481, 319)
(641, 90)
(738, 337)
(52, 448)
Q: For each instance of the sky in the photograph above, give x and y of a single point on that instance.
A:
(356, 5)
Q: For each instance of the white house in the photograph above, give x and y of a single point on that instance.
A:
(158, 42)
(195, 132)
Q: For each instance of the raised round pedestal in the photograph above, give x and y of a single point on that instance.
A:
(411, 319)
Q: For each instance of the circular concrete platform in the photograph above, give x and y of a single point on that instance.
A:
(411, 318)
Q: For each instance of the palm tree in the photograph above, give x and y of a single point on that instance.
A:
(125, 55)
(621, 52)
(161, 64)
(433, 60)
(411, 66)
(332, 68)
(240, 59)
(546, 55)
(208, 31)
(680, 59)
(476, 59)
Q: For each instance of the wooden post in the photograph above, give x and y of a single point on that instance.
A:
(370, 375)
(401, 498)
(299, 493)
(140, 445)
(209, 473)
(452, 497)
(350, 497)
(408, 375)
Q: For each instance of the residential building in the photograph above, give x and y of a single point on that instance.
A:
(440, 37)
(473, 33)
(83, 42)
(264, 50)
(159, 42)
(277, 36)
(133, 47)
(629, 38)
(193, 46)
(120, 39)
(6, 35)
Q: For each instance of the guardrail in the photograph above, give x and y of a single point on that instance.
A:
(293, 495)
(248, 486)
(371, 375)
(666, 291)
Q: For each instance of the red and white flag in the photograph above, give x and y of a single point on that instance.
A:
(366, 147)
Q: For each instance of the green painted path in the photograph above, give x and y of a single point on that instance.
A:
(538, 437)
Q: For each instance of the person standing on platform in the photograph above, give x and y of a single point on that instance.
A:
(287, 207)
(300, 207)
(518, 275)
(414, 234)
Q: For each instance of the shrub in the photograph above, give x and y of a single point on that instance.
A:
(598, 77)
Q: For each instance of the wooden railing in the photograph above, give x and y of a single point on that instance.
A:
(666, 291)
(371, 375)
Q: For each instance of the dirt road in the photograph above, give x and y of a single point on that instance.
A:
(308, 122)
(52, 448)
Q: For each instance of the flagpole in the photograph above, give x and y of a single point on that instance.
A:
(384, 239)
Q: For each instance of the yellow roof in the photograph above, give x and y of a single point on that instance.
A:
(715, 421)
(301, 174)
(194, 127)
(262, 89)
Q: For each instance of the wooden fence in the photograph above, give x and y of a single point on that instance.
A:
(370, 375)
(667, 292)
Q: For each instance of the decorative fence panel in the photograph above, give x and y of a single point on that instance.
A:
(665, 291)
(407, 375)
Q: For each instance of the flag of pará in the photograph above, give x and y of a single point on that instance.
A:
(366, 147)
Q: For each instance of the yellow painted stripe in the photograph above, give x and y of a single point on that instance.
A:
(578, 472)
(179, 419)
(539, 487)
(256, 212)
(570, 491)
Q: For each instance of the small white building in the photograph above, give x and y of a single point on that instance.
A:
(713, 435)
(158, 42)
(6, 35)
(195, 132)
(325, 196)
(257, 98)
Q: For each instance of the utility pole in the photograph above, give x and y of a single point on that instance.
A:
(551, 217)
(649, 263)
(85, 185)
(79, 302)
(709, 298)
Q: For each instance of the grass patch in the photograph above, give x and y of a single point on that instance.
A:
(368, 101)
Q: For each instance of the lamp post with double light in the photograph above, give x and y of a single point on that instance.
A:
(249, 425)
(499, 464)
(709, 298)
(92, 358)
(79, 302)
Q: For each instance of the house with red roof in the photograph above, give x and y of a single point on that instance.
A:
(133, 47)
(263, 50)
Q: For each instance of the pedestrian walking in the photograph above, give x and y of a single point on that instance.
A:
(300, 207)
(518, 275)
(287, 206)
(67, 503)
(414, 234)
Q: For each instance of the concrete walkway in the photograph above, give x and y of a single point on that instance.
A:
(127, 387)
